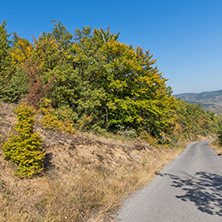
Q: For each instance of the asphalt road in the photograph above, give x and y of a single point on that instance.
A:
(189, 189)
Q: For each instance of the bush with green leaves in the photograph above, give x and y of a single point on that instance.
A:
(219, 134)
(23, 147)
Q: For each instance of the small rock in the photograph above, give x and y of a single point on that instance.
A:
(123, 157)
(133, 156)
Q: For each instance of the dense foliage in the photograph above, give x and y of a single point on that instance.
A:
(193, 120)
(219, 133)
(100, 83)
(23, 146)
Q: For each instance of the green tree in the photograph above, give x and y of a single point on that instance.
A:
(17, 86)
(219, 134)
(6, 67)
(115, 84)
(137, 94)
(76, 85)
(14, 81)
(193, 120)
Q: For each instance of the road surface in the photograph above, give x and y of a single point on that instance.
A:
(189, 189)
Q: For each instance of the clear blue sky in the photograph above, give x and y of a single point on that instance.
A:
(185, 35)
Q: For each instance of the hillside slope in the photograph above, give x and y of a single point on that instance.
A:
(86, 176)
(209, 100)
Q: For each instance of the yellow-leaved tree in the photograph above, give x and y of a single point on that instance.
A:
(23, 147)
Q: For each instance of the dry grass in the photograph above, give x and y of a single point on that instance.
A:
(77, 187)
(217, 147)
(86, 178)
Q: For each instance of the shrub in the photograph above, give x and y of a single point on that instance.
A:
(219, 134)
(51, 121)
(149, 139)
(23, 146)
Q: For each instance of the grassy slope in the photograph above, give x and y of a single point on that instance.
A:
(86, 176)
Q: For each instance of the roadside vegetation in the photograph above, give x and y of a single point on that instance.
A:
(95, 83)
(216, 144)
(96, 118)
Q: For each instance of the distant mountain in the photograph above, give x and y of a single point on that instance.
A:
(209, 100)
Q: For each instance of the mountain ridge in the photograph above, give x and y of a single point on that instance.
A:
(210, 100)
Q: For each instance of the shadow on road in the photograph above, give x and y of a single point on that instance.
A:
(203, 189)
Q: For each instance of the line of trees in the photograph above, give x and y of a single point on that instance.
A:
(101, 83)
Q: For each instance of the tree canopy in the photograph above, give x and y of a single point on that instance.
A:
(102, 84)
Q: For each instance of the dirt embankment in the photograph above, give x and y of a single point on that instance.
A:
(86, 176)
